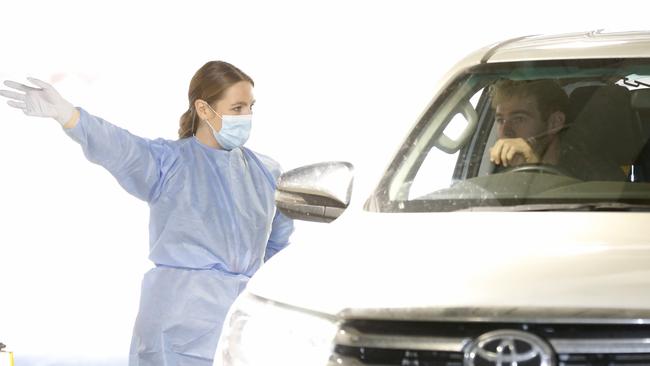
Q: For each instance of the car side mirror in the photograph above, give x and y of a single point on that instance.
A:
(318, 192)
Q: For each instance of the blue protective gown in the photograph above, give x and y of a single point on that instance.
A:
(212, 224)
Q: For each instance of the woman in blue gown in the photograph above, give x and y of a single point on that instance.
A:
(213, 221)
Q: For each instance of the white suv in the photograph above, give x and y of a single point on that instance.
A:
(456, 260)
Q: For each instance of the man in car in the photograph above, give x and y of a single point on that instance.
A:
(529, 115)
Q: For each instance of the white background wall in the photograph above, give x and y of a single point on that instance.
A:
(335, 80)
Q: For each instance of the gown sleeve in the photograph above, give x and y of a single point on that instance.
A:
(281, 230)
(137, 163)
(282, 226)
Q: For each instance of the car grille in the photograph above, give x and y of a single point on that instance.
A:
(404, 343)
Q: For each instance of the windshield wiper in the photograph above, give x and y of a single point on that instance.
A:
(591, 206)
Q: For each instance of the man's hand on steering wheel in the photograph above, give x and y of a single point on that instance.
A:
(512, 151)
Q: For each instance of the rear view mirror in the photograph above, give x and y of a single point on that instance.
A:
(458, 128)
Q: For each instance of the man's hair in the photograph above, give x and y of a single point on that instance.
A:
(549, 95)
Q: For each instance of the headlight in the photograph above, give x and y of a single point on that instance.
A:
(262, 332)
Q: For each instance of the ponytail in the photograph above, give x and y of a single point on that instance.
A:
(187, 124)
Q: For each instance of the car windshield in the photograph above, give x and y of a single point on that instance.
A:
(551, 135)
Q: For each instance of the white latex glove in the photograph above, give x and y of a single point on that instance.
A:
(43, 101)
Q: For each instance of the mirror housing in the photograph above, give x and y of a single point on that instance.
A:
(317, 192)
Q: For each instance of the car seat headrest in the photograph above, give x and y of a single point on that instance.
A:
(640, 99)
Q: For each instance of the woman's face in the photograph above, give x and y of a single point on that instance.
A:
(238, 99)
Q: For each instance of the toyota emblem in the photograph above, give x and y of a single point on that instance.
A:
(509, 348)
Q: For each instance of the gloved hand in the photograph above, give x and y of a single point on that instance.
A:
(43, 101)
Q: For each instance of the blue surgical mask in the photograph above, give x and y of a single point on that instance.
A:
(235, 130)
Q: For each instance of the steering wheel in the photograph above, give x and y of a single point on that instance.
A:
(536, 168)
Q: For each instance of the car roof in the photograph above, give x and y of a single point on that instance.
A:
(596, 44)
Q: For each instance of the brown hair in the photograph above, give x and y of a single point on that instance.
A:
(549, 95)
(208, 83)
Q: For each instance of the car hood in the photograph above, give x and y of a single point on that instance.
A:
(466, 260)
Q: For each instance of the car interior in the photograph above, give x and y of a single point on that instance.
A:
(604, 147)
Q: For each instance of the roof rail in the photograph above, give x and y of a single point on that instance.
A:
(496, 47)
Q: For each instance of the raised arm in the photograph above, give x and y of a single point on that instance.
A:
(137, 163)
